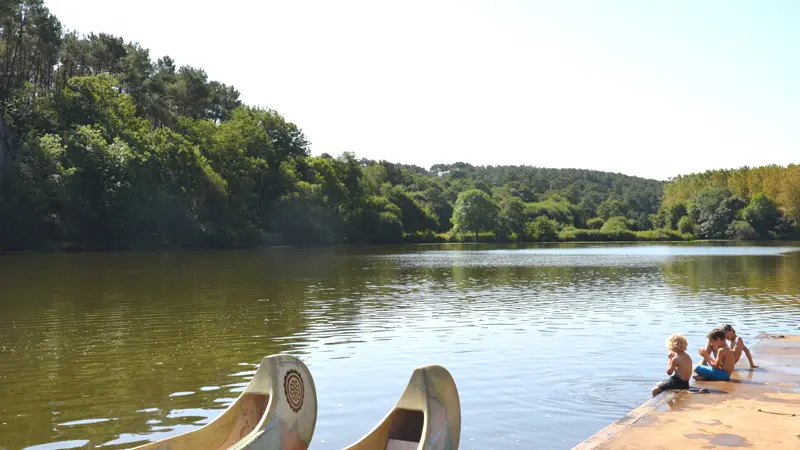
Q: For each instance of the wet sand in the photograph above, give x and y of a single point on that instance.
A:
(758, 408)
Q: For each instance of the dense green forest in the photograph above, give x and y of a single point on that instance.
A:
(101, 148)
(745, 204)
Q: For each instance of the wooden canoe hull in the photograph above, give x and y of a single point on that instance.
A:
(427, 416)
(276, 411)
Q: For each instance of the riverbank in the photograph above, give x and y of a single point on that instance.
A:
(411, 242)
(759, 409)
(566, 235)
(407, 244)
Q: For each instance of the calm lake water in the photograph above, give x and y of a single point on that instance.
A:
(547, 344)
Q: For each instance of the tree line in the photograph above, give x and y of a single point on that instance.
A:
(103, 148)
(747, 203)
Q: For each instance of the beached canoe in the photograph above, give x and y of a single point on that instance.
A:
(276, 411)
(427, 416)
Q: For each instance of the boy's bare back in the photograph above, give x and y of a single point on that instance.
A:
(679, 367)
(683, 365)
(726, 359)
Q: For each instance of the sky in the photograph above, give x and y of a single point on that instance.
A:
(647, 88)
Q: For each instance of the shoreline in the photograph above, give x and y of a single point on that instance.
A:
(758, 408)
(714, 242)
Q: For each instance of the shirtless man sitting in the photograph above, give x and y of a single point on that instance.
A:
(736, 345)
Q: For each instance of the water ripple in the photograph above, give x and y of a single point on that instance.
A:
(547, 345)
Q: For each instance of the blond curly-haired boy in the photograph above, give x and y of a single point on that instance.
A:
(679, 367)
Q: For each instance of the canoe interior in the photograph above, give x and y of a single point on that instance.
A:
(250, 413)
(277, 410)
(224, 432)
(427, 416)
(407, 425)
(405, 429)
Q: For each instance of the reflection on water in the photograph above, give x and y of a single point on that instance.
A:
(547, 344)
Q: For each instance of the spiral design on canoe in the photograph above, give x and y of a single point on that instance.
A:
(294, 389)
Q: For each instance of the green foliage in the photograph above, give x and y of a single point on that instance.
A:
(415, 216)
(658, 221)
(731, 207)
(556, 208)
(672, 215)
(542, 229)
(302, 217)
(686, 225)
(426, 237)
(781, 184)
(475, 211)
(713, 211)
(96, 100)
(114, 150)
(41, 182)
(30, 41)
(480, 237)
(379, 223)
(433, 197)
(662, 234)
(123, 151)
(762, 215)
(706, 204)
(616, 224)
(595, 223)
(579, 235)
(612, 208)
(512, 217)
(786, 228)
(739, 230)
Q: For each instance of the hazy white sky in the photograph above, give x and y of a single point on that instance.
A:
(645, 88)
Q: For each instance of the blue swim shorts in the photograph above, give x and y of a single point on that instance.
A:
(711, 374)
